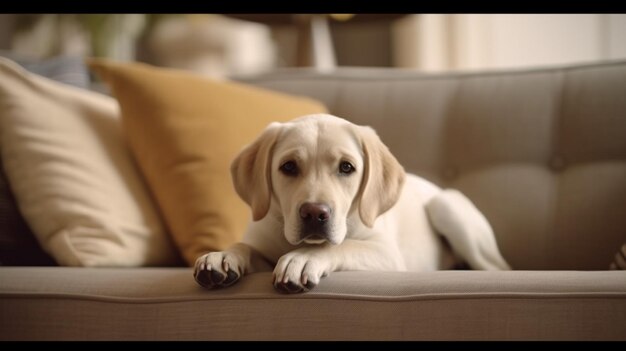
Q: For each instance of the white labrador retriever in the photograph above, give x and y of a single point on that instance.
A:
(327, 195)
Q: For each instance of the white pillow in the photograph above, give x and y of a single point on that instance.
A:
(73, 176)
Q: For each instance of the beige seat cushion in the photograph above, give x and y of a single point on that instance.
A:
(167, 304)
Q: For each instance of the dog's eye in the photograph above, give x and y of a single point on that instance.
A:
(289, 168)
(346, 168)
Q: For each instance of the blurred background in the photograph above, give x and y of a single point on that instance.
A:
(245, 44)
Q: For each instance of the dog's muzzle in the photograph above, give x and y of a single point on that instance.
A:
(314, 218)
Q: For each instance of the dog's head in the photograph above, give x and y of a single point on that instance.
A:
(318, 174)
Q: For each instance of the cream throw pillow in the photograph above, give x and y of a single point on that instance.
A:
(73, 176)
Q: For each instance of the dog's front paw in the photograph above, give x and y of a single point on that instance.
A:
(298, 272)
(217, 269)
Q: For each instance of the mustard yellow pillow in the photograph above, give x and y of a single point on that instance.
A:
(184, 131)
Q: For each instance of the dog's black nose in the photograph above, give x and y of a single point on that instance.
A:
(315, 217)
(314, 213)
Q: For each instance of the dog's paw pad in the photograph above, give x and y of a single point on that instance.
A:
(289, 287)
(216, 277)
(203, 278)
(216, 270)
(231, 278)
(310, 285)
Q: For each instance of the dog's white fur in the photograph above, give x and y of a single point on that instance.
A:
(381, 218)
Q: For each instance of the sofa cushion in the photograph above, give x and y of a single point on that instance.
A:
(18, 245)
(73, 176)
(185, 130)
(64, 303)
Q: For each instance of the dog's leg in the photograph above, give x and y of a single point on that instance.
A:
(456, 218)
(224, 268)
(301, 269)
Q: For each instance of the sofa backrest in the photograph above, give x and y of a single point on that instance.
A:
(542, 152)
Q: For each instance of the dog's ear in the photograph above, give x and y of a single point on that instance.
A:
(251, 171)
(383, 177)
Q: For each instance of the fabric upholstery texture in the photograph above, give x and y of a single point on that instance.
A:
(166, 304)
(73, 176)
(184, 131)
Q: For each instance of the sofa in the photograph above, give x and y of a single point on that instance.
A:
(541, 152)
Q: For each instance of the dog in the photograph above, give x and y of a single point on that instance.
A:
(327, 195)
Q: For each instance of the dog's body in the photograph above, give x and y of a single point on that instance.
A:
(327, 195)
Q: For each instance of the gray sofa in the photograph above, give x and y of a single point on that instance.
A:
(541, 152)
